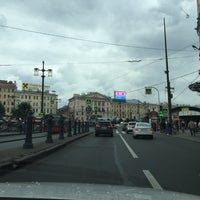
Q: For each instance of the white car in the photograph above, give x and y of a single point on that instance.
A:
(130, 127)
(143, 129)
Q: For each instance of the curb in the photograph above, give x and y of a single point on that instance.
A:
(192, 139)
(25, 159)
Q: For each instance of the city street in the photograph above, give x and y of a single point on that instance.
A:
(164, 163)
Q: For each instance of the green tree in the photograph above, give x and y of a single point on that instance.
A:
(22, 110)
(2, 110)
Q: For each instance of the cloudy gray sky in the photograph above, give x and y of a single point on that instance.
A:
(88, 44)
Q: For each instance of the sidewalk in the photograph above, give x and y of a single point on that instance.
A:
(14, 157)
(188, 136)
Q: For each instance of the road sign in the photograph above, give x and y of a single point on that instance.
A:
(148, 91)
(25, 86)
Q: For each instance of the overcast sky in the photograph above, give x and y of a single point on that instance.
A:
(88, 43)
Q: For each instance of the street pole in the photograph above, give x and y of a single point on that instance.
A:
(36, 73)
(167, 74)
(42, 100)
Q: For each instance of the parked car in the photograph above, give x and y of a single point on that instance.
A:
(104, 128)
(143, 129)
(130, 127)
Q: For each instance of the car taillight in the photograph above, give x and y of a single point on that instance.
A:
(110, 126)
(151, 129)
(135, 129)
(97, 126)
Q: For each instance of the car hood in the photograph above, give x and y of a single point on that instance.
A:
(84, 191)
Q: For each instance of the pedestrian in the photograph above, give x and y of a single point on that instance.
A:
(162, 126)
(183, 126)
(192, 126)
(169, 127)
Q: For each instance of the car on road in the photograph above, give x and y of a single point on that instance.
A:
(143, 129)
(124, 126)
(130, 126)
(104, 128)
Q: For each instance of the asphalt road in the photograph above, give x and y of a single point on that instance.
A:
(165, 163)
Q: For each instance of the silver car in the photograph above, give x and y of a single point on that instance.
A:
(143, 129)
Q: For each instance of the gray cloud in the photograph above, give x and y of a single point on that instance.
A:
(80, 66)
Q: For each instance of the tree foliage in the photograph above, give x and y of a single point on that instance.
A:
(22, 110)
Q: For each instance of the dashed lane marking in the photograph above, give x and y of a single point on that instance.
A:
(134, 155)
(152, 180)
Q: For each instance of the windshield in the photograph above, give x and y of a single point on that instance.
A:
(100, 92)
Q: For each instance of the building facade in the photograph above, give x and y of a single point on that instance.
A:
(10, 98)
(132, 109)
(92, 105)
(89, 106)
(34, 98)
(7, 95)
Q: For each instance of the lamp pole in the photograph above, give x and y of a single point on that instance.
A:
(167, 74)
(36, 73)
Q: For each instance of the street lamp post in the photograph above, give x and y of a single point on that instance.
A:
(36, 73)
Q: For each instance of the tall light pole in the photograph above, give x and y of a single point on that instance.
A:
(167, 74)
(36, 73)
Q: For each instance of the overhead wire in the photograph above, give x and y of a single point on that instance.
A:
(160, 83)
(83, 40)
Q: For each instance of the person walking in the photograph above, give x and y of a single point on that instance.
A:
(183, 126)
(192, 126)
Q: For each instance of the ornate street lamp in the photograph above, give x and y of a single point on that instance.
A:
(36, 73)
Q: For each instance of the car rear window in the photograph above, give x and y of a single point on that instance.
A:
(144, 125)
(104, 123)
(131, 123)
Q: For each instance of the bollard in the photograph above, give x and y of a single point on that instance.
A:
(61, 133)
(79, 126)
(28, 131)
(49, 133)
(88, 127)
(82, 126)
(69, 129)
(75, 124)
(85, 126)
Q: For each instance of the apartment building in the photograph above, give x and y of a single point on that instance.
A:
(89, 106)
(10, 98)
(7, 95)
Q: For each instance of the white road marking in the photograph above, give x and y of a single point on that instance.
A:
(152, 180)
(128, 147)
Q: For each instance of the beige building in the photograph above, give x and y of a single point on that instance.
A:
(132, 109)
(34, 98)
(7, 95)
(93, 104)
(89, 106)
(10, 98)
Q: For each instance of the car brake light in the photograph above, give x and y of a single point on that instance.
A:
(151, 129)
(97, 126)
(110, 126)
(135, 129)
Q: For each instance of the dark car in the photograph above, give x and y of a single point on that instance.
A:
(104, 128)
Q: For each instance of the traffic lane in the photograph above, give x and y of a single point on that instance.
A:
(173, 161)
(103, 160)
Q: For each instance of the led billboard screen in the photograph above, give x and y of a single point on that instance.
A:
(120, 95)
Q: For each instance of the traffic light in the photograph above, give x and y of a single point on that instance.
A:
(160, 114)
